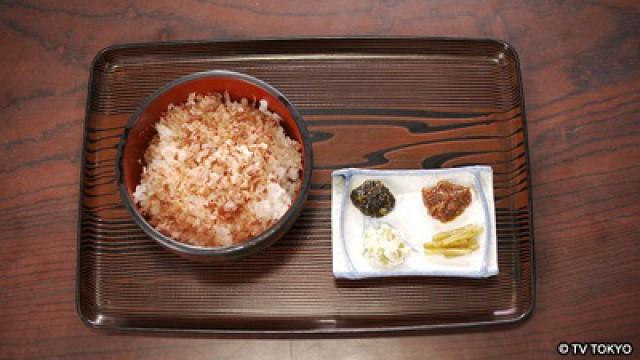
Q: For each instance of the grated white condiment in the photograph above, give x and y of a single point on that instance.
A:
(383, 246)
(218, 171)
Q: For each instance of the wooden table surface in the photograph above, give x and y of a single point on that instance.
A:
(581, 69)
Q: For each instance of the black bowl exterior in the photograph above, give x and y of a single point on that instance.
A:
(252, 245)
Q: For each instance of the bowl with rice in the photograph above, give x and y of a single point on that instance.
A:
(215, 165)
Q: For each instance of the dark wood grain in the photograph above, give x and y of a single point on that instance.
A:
(581, 71)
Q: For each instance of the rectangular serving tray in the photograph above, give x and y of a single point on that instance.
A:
(392, 103)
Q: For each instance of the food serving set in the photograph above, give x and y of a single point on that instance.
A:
(380, 104)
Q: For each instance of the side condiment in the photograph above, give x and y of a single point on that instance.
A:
(373, 199)
(456, 242)
(383, 247)
(446, 201)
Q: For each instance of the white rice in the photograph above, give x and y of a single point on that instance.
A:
(218, 172)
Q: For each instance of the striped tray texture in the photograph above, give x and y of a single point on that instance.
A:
(375, 103)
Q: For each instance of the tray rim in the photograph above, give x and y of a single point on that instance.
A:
(317, 332)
